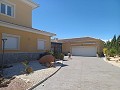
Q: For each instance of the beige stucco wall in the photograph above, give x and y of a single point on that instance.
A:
(67, 45)
(28, 40)
(23, 14)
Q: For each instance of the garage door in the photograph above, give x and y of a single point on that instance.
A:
(84, 51)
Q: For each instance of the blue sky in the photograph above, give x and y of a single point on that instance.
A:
(78, 18)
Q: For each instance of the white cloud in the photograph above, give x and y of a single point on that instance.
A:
(107, 40)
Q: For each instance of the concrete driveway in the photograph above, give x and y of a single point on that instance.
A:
(84, 73)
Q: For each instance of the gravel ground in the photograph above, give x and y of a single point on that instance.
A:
(17, 84)
(113, 61)
(84, 73)
(23, 81)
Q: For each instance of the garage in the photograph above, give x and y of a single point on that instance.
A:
(84, 50)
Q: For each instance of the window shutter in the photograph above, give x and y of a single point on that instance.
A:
(41, 44)
(11, 43)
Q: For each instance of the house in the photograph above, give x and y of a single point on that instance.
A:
(16, 27)
(85, 46)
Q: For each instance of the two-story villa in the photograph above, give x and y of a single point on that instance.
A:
(16, 27)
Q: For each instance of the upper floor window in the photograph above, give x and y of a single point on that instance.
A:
(6, 9)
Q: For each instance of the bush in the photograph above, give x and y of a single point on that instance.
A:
(45, 53)
(105, 51)
(100, 54)
(28, 69)
(49, 52)
(62, 56)
(59, 56)
(46, 59)
(112, 52)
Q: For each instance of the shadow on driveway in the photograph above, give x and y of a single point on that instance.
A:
(19, 68)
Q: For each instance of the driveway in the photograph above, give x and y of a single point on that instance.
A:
(84, 73)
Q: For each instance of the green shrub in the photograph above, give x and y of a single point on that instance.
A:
(27, 69)
(113, 46)
(105, 51)
(62, 56)
(112, 52)
(59, 55)
(49, 52)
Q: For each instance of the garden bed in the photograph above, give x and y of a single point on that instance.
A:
(25, 81)
(114, 61)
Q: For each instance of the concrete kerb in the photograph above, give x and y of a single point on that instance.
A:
(31, 88)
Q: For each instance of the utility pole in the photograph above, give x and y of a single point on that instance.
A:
(3, 50)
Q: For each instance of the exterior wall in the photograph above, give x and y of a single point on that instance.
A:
(66, 47)
(23, 14)
(10, 58)
(28, 40)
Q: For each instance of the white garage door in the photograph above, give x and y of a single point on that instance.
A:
(84, 51)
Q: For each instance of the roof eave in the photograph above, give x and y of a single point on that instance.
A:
(31, 3)
(22, 28)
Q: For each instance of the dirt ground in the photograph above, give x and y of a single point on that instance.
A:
(17, 84)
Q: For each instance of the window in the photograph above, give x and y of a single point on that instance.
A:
(3, 8)
(6, 9)
(41, 44)
(12, 42)
(9, 10)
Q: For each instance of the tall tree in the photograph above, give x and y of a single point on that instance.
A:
(113, 46)
(118, 44)
(113, 42)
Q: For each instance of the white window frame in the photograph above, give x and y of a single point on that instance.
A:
(44, 44)
(4, 35)
(7, 3)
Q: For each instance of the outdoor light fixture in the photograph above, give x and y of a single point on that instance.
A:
(3, 49)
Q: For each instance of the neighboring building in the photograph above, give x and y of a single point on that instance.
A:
(85, 46)
(16, 27)
(56, 46)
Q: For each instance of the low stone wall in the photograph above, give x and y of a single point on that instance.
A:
(19, 57)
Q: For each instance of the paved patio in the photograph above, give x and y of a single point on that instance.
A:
(84, 73)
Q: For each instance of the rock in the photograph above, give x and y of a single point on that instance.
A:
(1, 79)
(46, 59)
(5, 83)
(26, 80)
(42, 84)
